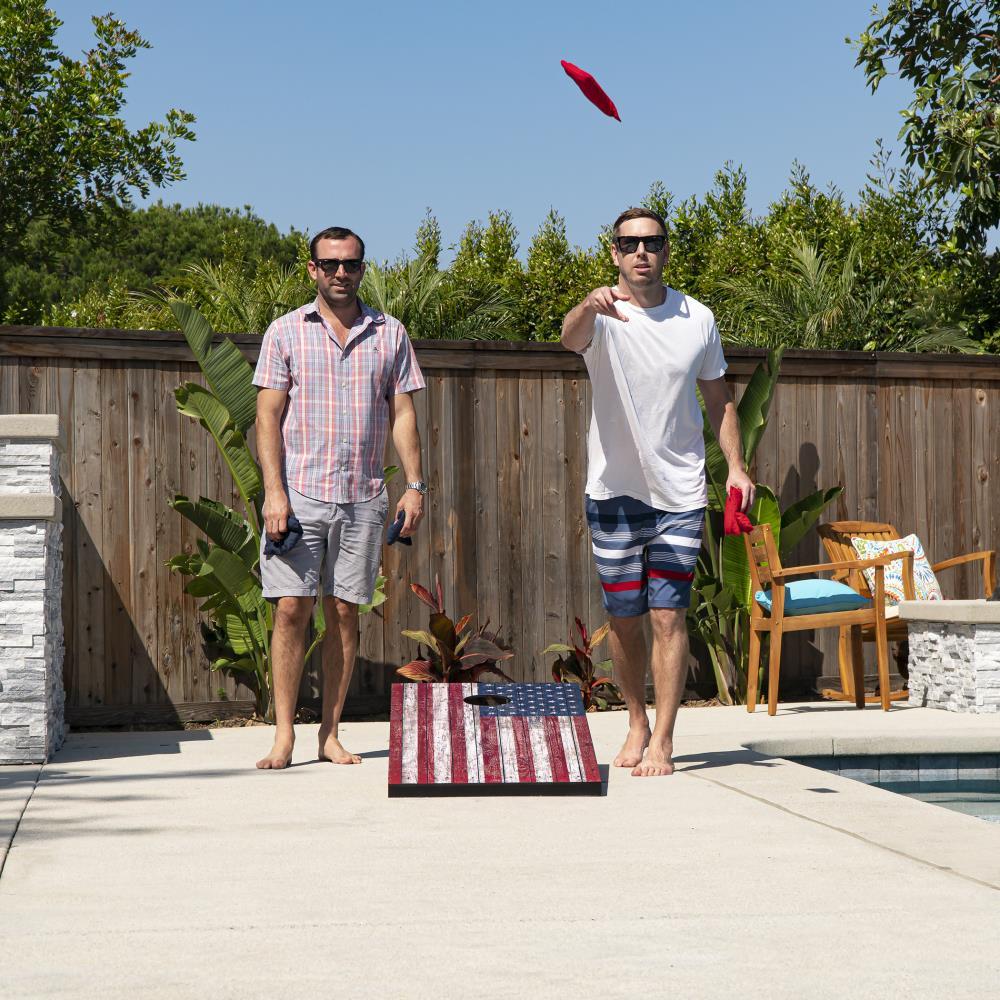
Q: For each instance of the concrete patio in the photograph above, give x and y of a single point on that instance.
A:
(165, 865)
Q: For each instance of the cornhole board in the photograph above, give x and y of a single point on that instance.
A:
(490, 739)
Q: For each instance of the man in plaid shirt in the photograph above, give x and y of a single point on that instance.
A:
(334, 377)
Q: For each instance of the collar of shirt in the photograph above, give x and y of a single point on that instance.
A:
(369, 317)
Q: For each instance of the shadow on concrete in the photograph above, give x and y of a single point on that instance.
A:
(725, 758)
(98, 746)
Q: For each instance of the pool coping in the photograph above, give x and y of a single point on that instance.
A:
(871, 744)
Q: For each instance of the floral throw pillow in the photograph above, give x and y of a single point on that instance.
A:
(925, 585)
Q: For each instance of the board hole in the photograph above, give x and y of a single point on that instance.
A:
(489, 700)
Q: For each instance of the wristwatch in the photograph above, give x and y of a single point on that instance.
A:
(420, 486)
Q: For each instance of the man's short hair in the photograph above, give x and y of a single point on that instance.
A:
(639, 213)
(335, 233)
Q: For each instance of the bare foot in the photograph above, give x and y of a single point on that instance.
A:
(631, 752)
(656, 762)
(330, 749)
(280, 756)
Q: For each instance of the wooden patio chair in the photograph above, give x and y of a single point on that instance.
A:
(766, 571)
(837, 537)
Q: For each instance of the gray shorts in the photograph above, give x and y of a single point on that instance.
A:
(341, 540)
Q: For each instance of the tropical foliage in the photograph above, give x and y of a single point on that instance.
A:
(720, 608)
(451, 653)
(576, 665)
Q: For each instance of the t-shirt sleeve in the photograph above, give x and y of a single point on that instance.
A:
(406, 373)
(273, 368)
(595, 342)
(713, 364)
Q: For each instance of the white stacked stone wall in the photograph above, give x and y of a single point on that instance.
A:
(955, 666)
(31, 633)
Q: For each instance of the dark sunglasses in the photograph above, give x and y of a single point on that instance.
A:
(330, 265)
(629, 244)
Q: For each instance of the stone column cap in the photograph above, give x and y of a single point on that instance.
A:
(16, 426)
(978, 612)
(30, 507)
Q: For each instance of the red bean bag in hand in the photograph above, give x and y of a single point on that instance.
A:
(733, 519)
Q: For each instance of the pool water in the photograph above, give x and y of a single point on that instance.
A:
(966, 783)
(983, 804)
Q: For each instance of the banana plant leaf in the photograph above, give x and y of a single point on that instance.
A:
(228, 373)
(243, 630)
(378, 597)
(755, 403)
(197, 402)
(752, 410)
(802, 515)
(222, 524)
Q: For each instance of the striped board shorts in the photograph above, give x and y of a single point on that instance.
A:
(645, 557)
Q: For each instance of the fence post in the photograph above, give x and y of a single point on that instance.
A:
(31, 629)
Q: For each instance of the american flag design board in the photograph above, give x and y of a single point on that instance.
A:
(490, 739)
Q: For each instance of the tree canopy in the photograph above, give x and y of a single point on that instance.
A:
(67, 158)
(950, 51)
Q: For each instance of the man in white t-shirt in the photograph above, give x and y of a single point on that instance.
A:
(646, 346)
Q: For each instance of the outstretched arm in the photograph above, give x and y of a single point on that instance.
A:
(578, 326)
(725, 422)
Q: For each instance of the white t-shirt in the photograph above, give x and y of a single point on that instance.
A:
(645, 439)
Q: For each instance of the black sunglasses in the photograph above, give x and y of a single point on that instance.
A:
(629, 244)
(330, 265)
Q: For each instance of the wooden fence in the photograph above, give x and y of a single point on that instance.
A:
(914, 439)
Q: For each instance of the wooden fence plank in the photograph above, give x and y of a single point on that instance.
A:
(512, 598)
(941, 457)
(532, 557)
(87, 632)
(576, 536)
(489, 520)
(552, 598)
(10, 381)
(172, 603)
(982, 499)
(114, 498)
(958, 579)
(141, 409)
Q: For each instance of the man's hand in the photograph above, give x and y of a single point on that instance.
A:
(276, 510)
(739, 478)
(602, 301)
(412, 501)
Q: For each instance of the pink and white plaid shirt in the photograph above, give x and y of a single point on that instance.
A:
(336, 421)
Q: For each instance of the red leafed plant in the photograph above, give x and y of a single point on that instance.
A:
(577, 666)
(455, 654)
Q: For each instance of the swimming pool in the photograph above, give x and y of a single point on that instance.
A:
(966, 782)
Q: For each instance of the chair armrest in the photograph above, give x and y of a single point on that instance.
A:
(844, 564)
(988, 559)
(958, 560)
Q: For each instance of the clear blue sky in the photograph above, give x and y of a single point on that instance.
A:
(365, 114)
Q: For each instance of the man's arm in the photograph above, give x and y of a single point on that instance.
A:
(725, 423)
(270, 406)
(406, 439)
(578, 326)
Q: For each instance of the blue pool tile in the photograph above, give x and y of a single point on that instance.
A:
(898, 768)
(860, 768)
(826, 763)
(938, 767)
(979, 767)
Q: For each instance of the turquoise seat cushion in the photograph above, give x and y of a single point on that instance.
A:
(815, 597)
